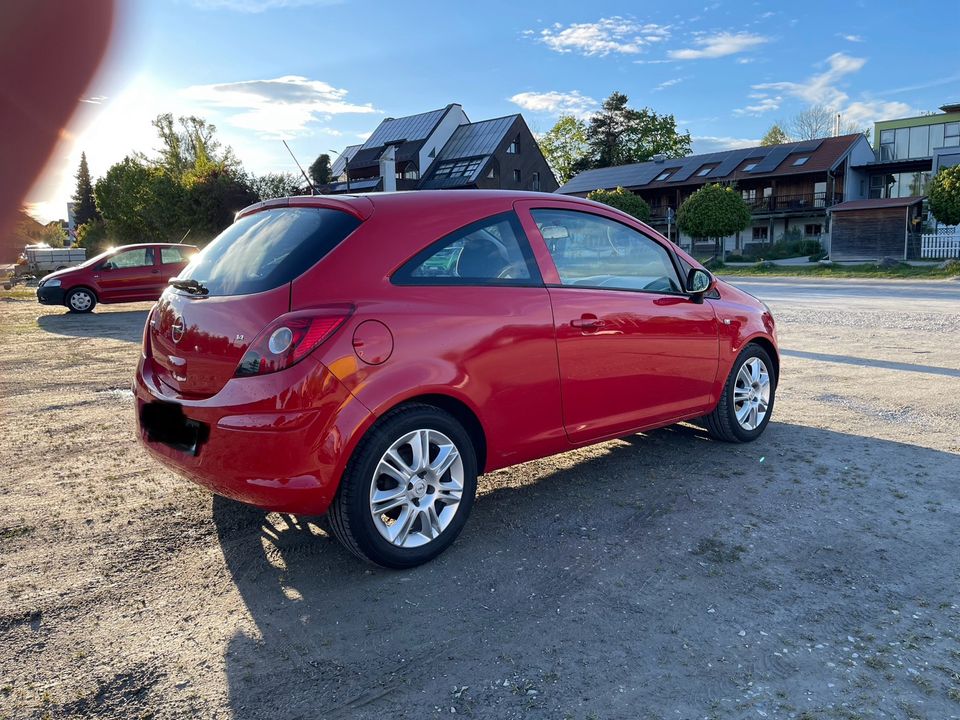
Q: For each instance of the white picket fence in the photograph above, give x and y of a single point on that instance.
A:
(945, 243)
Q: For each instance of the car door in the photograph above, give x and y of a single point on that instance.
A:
(634, 349)
(173, 259)
(128, 275)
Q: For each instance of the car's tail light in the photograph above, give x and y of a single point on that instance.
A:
(289, 339)
(147, 327)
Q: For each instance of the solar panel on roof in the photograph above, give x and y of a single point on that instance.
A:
(341, 162)
(729, 163)
(475, 139)
(692, 164)
(772, 161)
(412, 127)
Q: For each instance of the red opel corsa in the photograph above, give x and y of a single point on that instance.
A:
(369, 356)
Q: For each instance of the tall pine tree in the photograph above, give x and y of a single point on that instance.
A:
(85, 209)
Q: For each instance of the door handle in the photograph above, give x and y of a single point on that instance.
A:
(155, 272)
(587, 321)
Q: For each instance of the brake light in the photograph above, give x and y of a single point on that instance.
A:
(145, 348)
(289, 339)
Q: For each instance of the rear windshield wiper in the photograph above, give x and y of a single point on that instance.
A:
(192, 286)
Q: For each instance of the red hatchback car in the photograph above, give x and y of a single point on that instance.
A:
(369, 356)
(130, 273)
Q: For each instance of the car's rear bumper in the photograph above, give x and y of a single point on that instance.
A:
(50, 295)
(277, 441)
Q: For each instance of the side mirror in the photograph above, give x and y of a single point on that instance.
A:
(699, 283)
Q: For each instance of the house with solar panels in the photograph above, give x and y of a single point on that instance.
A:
(443, 150)
(789, 186)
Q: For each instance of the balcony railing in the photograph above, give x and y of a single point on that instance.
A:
(793, 203)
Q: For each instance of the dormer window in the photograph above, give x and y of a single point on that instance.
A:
(514, 147)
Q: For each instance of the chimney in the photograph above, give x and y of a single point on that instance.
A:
(659, 158)
(388, 168)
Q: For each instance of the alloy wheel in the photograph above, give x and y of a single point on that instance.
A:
(751, 394)
(416, 488)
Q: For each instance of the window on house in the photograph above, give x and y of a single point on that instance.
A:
(801, 160)
(812, 229)
(749, 195)
(767, 192)
(887, 146)
(493, 173)
(749, 166)
(536, 181)
(951, 134)
(876, 186)
(514, 147)
(760, 232)
(705, 171)
(493, 251)
(516, 176)
(663, 175)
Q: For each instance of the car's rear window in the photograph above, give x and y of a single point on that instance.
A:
(267, 249)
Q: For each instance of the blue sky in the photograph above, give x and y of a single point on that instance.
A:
(321, 74)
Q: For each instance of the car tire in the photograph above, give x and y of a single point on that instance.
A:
(396, 506)
(80, 300)
(746, 403)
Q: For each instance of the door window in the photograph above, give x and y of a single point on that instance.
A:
(138, 257)
(171, 255)
(594, 251)
(491, 251)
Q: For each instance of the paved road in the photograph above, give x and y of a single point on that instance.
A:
(926, 295)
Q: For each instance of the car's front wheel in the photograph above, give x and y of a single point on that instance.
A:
(408, 488)
(81, 300)
(746, 404)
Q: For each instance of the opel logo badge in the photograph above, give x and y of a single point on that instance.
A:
(176, 330)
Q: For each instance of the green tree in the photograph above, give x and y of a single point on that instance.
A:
(84, 206)
(189, 144)
(320, 169)
(623, 199)
(713, 211)
(944, 193)
(619, 134)
(564, 145)
(213, 196)
(775, 136)
(141, 203)
(93, 236)
(275, 185)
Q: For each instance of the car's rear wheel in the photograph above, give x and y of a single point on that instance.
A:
(408, 489)
(81, 300)
(746, 404)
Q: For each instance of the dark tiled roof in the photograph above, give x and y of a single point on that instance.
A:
(730, 164)
(341, 162)
(876, 204)
(367, 184)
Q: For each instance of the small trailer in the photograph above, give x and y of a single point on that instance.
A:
(38, 260)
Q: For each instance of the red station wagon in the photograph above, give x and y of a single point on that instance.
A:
(131, 273)
(369, 356)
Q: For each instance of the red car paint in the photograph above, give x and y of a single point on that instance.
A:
(505, 359)
(120, 284)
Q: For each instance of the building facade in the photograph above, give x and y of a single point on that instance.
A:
(440, 150)
(789, 188)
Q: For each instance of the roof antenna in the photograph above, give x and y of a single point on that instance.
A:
(180, 241)
(313, 190)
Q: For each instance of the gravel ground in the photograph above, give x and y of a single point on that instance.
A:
(812, 574)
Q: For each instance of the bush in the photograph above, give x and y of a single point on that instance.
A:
(944, 193)
(624, 200)
(787, 248)
(93, 236)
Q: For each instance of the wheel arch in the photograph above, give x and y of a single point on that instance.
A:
(771, 350)
(462, 412)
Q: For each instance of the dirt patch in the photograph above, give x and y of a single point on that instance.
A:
(811, 574)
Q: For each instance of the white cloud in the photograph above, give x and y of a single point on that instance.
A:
(822, 89)
(765, 104)
(668, 83)
(557, 103)
(279, 108)
(605, 36)
(257, 6)
(719, 45)
(713, 143)
(853, 38)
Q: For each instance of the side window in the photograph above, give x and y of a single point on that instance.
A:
(140, 257)
(492, 251)
(170, 255)
(594, 251)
